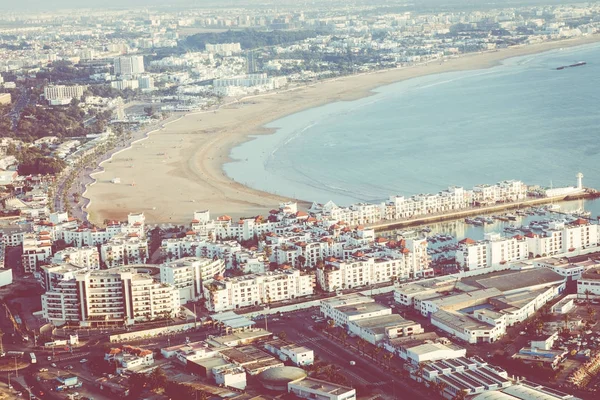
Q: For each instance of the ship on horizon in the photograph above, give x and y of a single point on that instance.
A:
(578, 64)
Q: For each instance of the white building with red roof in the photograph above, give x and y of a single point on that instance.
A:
(37, 249)
(493, 251)
(84, 257)
(124, 250)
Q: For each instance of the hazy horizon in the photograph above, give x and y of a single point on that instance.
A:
(57, 5)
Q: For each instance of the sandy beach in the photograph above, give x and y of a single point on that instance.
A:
(178, 169)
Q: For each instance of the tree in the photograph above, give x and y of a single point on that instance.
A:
(566, 321)
(460, 395)
(157, 379)
(361, 343)
(587, 295)
(343, 336)
(330, 325)
(441, 387)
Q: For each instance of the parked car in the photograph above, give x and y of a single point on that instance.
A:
(83, 360)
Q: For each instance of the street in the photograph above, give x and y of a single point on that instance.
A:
(298, 329)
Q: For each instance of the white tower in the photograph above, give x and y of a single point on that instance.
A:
(579, 181)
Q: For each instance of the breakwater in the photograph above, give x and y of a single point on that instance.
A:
(459, 214)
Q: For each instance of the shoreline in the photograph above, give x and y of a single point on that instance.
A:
(191, 177)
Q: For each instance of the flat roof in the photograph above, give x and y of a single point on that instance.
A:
(591, 274)
(365, 308)
(473, 297)
(521, 279)
(322, 386)
(459, 321)
(380, 323)
(347, 299)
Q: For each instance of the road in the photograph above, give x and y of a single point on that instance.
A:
(298, 329)
(19, 105)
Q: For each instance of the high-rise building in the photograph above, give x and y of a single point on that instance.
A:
(118, 296)
(129, 65)
(62, 95)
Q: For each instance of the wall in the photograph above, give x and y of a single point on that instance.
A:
(6, 277)
(148, 333)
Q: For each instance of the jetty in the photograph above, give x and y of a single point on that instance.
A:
(385, 225)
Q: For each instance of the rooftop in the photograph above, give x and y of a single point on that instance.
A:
(592, 274)
(359, 309)
(512, 280)
(323, 386)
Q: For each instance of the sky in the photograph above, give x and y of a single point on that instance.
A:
(50, 5)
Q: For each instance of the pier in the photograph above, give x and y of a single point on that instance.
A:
(385, 225)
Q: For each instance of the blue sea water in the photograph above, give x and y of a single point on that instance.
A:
(520, 120)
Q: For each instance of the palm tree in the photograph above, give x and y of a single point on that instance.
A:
(587, 295)
(343, 336)
(282, 335)
(377, 351)
(330, 325)
(441, 387)
(361, 343)
(460, 395)
(566, 321)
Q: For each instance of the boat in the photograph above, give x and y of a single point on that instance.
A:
(511, 217)
(553, 207)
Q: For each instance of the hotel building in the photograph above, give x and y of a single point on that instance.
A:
(119, 296)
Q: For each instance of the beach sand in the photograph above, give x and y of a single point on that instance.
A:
(178, 169)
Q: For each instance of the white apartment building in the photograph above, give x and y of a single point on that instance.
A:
(298, 355)
(251, 80)
(504, 191)
(588, 286)
(129, 65)
(124, 250)
(85, 257)
(353, 307)
(563, 238)
(119, 296)
(493, 251)
(146, 82)
(60, 95)
(376, 265)
(12, 238)
(224, 48)
(123, 84)
(79, 237)
(250, 290)
(55, 225)
(37, 248)
(188, 274)
(230, 375)
(51, 275)
(192, 246)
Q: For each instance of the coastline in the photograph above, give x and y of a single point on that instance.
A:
(181, 169)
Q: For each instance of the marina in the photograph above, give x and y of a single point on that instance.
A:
(474, 211)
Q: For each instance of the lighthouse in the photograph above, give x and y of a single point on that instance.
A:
(579, 181)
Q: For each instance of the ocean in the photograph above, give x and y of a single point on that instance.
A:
(520, 120)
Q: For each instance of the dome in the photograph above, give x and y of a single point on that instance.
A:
(277, 378)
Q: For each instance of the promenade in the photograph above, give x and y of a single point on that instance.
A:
(468, 212)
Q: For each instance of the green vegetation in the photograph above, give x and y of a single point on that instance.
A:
(33, 161)
(64, 71)
(250, 38)
(38, 121)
